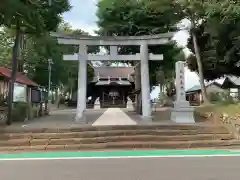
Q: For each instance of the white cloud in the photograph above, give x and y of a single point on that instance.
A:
(181, 37)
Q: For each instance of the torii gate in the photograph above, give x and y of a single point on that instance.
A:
(113, 42)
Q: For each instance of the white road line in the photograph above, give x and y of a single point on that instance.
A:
(120, 157)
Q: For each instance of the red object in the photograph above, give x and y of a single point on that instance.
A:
(21, 78)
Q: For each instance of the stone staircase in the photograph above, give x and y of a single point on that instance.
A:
(117, 137)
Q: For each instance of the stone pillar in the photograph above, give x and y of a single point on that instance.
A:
(137, 81)
(145, 85)
(182, 111)
(82, 83)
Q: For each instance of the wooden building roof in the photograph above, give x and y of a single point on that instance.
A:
(21, 78)
(113, 72)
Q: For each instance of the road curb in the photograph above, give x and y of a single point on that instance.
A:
(118, 154)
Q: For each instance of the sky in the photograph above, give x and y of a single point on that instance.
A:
(83, 16)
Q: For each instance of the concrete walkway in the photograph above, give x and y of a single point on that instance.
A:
(114, 116)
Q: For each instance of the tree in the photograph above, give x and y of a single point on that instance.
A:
(133, 18)
(31, 17)
(218, 37)
(194, 10)
(6, 44)
(138, 18)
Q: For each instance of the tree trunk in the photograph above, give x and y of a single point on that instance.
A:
(13, 73)
(21, 53)
(200, 69)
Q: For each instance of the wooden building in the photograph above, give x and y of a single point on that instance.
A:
(112, 86)
(194, 94)
(28, 91)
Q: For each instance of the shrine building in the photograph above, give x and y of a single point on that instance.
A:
(111, 86)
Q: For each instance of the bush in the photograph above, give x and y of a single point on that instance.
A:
(20, 112)
(223, 97)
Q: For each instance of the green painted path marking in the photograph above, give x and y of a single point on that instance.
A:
(118, 154)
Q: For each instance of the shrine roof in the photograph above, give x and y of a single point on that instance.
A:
(113, 72)
(120, 82)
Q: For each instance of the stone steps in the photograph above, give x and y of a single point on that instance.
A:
(92, 134)
(116, 137)
(118, 127)
(106, 139)
(201, 144)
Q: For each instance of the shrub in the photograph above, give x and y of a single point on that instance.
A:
(223, 97)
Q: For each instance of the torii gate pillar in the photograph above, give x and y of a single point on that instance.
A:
(145, 85)
(82, 83)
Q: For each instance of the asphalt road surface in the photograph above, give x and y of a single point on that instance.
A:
(189, 168)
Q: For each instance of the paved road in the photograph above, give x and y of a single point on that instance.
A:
(194, 168)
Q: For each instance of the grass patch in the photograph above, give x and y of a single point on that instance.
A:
(202, 113)
(230, 109)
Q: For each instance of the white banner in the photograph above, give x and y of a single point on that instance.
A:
(20, 93)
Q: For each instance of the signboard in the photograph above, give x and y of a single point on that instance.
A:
(35, 96)
(20, 93)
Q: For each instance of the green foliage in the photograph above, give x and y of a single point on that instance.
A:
(34, 54)
(133, 18)
(33, 17)
(218, 40)
(221, 97)
(6, 43)
(34, 20)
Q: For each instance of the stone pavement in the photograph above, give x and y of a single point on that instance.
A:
(65, 118)
(114, 116)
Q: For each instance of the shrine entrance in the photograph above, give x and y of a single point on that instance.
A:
(115, 44)
(112, 99)
(114, 95)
